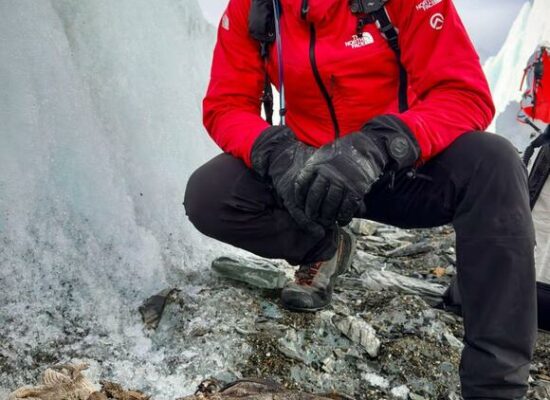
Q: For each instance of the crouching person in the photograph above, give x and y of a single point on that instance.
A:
(382, 127)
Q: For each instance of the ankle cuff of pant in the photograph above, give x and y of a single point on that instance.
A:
(324, 249)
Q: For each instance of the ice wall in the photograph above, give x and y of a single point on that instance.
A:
(505, 70)
(100, 127)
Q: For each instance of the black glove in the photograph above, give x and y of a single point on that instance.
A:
(332, 186)
(278, 155)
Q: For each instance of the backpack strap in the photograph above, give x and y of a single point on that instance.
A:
(389, 31)
(261, 26)
(542, 139)
(267, 98)
(375, 11)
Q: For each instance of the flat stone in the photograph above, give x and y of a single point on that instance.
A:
(400, 392)
(261, 273)
(375, 380)
(363, 227)
(453, 341)
(378, 280)
(292, 346)
(271, 311)
(359, 331)
(411, 250)
(542, 392)
(447, 367)
(364, 260)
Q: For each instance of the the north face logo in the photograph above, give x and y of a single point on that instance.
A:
(427, 4)
(362, 41)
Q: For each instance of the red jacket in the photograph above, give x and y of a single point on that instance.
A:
(448, 92)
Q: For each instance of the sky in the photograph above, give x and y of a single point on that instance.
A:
(487, 21)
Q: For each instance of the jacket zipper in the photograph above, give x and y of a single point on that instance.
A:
(320, 83)
(305, 9)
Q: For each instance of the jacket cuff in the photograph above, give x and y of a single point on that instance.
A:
(270, 141)
(397, 138)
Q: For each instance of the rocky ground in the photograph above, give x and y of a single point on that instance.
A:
(380, 339)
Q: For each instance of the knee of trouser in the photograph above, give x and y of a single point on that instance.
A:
(196, 192)
(493, 160)
(222, 194)
(492, 193)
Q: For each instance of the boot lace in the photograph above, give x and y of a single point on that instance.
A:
(306, 273)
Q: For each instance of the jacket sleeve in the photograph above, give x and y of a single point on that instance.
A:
(231, 108)
(445, 75)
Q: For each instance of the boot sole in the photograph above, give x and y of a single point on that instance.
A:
(307, 310)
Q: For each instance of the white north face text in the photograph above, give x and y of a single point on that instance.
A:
(427, 4)
(357, 41)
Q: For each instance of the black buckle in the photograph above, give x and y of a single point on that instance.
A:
(366, 6)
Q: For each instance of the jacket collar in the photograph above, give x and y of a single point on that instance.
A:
(317, 10)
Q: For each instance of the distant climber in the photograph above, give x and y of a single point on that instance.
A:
(383, 105)
(535, 84)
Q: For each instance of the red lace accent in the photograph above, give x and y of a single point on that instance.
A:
(306, 273)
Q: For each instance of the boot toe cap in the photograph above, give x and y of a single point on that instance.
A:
(293, 298)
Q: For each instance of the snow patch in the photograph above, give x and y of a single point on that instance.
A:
(505, 71)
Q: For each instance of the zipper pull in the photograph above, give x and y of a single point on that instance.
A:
(391, 186)
(413, 174)
(305, 9)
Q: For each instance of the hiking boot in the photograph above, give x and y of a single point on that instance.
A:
(313, 285)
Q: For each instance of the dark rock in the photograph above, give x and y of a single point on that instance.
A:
(152, 309)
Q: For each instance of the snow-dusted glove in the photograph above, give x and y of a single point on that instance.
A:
(279, 156)
(332, 186)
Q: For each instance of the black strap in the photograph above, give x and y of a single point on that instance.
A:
(377, 13)
(539, 175)
(541, 167)
(389, 31)
(267, 98)
(541, 140)
(261, 26)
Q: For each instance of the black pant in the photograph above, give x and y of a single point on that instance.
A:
(479, 185)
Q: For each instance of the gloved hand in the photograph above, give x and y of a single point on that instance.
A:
(278, 155)
(332, 186)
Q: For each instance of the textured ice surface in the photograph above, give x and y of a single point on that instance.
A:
(508, 126)
(100, 129)
(505, 70)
